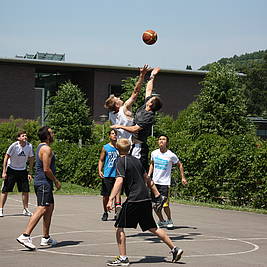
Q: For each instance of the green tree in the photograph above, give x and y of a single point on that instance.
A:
(256, 89)
(69, 114)
(221, 105)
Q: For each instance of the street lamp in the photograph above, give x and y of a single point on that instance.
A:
(103, 118)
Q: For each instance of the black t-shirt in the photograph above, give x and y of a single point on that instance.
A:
(145, 120)
(132, 172)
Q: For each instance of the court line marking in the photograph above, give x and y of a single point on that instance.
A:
(214, 238)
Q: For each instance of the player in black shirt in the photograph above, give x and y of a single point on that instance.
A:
(143, 121)
(137, 209)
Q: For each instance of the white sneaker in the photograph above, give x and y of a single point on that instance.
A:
(26, 241)
(169, 224)
(161, 224)
(48, 241)
(1, 213)
(26, 212)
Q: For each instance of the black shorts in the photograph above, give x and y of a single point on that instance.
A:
(44, 194)
(13, 177)
(164, 191)
(134, 213)
(107, 185)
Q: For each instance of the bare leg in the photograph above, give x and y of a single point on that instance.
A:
(37, 215)
(3, 199)
(25, 199)
(163, 236)
(167, 211)
(121, 241)
(159, 214)
(105, 202)
(47, 220)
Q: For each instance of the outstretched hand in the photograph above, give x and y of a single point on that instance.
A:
(144, 70)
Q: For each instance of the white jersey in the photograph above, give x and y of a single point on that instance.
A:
(121, 119)
(163, 166)
(19, 155)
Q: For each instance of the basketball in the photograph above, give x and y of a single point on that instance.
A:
(150, 37)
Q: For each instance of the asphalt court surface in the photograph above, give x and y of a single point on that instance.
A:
(209, 237)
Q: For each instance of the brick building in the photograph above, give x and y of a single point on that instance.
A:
(26, 83)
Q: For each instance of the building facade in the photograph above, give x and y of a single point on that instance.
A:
(26, 84)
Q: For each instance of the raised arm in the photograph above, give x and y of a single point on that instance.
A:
(128, 103)
(150, 83)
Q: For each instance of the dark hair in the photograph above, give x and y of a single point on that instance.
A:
(20, 133)
(43, 133)
(167, 137)
(109, 132)
(156, 104)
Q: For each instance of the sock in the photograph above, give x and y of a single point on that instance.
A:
(1, 209)
(46, 237)
(26, 235)
(117, 204)
(123, 258)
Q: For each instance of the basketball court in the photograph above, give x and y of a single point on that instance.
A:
(209, 237)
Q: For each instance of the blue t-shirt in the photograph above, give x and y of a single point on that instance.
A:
(110, 161)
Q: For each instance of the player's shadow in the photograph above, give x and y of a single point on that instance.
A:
(153, 259)
(151, 237)
(181, 227)
(64, 244)
(15, 215)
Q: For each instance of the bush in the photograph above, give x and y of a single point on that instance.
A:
(76, 164)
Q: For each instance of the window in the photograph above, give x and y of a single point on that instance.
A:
(115, 90)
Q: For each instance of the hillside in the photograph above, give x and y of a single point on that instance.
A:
(242, 63)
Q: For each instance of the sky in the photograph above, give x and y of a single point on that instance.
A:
(108, 32)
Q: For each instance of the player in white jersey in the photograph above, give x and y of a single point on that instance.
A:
(162, 160)
(121, 112)
(15, 171)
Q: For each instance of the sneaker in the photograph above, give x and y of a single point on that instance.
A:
(48, 241)
(104, 216)
(26, 212)
(26, 241)
(169, 224)
(176, 254)
(161, 224)
(118, 262)
(1, 213)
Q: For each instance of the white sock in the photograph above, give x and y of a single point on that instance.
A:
(123, 257)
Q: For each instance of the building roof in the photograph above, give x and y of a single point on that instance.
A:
(93, 66)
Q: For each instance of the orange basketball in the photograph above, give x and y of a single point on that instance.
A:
(150, 37)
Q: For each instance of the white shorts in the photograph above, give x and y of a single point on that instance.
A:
(136, 151)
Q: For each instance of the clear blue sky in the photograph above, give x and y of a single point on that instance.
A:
(108, 32)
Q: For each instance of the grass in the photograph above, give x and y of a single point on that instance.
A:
(73, 189)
